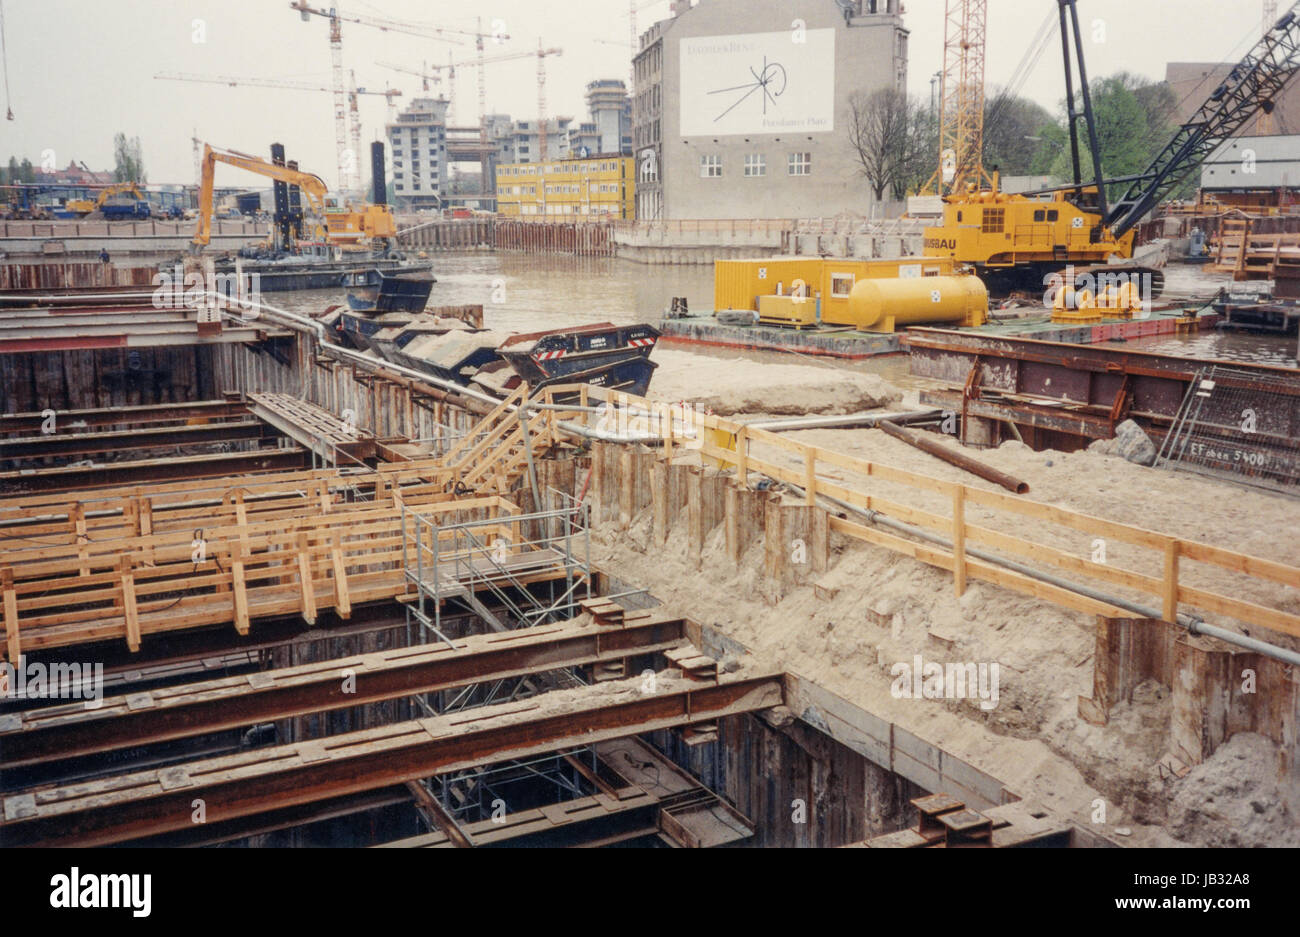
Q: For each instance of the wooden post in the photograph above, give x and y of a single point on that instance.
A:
(342, 599)
(144, 520)
(959, 539)
(746, 519)
(626, 488)
(810, 476)
(742, 456)
(129, 611)
(666, 430)
(77, 517)
(308, 587)
(11, 614)
(1172, 550)
(239, 587)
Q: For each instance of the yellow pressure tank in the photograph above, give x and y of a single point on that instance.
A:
(883, 305)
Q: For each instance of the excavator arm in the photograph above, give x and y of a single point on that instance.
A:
(313, 186)
(117, 189)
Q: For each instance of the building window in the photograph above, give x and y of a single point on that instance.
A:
(711, 166)
(800, 164)
(755, 164)
(842, 283)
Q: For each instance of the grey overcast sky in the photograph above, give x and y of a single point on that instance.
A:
(81, 70)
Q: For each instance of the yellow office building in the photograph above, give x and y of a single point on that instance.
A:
(600, 188)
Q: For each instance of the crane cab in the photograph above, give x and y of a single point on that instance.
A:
(1021, 238)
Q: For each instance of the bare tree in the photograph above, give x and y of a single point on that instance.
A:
(888, 133)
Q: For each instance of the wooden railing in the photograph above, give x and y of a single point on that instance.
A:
(300, 559)
(745, 449)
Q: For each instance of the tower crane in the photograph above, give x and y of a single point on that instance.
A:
(348, 168)
(423, 30)
(961, 98)
(426, 74)
(542, 54)
(353, 93)
(634, 37)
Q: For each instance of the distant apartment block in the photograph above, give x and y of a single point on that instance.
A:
(598, 188)
(417, 142)
(423, 154)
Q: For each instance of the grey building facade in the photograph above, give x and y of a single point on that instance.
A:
(741, 108)
(417, 142)
(610, 107)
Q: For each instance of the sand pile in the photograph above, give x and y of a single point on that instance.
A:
(730, 386)
(1228, 801)
(886, 609)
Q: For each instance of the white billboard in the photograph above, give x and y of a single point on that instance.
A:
(758, 83)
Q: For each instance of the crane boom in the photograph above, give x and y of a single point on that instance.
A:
(1257, 80)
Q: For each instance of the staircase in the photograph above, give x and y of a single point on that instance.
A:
(495, 455)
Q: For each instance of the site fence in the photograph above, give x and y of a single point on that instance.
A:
(1157, 564)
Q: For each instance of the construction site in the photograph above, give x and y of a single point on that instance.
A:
(318, 542)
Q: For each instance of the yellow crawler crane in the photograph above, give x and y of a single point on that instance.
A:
(1021, 241)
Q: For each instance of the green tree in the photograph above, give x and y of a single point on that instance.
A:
(128, 159)
(1013, 130)
(26, 171)
(1135, 119)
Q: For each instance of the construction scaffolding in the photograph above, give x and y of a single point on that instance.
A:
(502, 556)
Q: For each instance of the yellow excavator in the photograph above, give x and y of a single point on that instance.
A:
(368, 226)
(84, 206)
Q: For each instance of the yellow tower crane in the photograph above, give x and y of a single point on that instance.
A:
(961, 99)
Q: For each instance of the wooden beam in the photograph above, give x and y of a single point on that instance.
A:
(308, 587)
(342, 600)
(239, 587)
(13, 643)
(129, 611)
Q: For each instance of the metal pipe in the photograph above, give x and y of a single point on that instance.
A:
(830, 422)
(959, 459)
(1192, 623)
